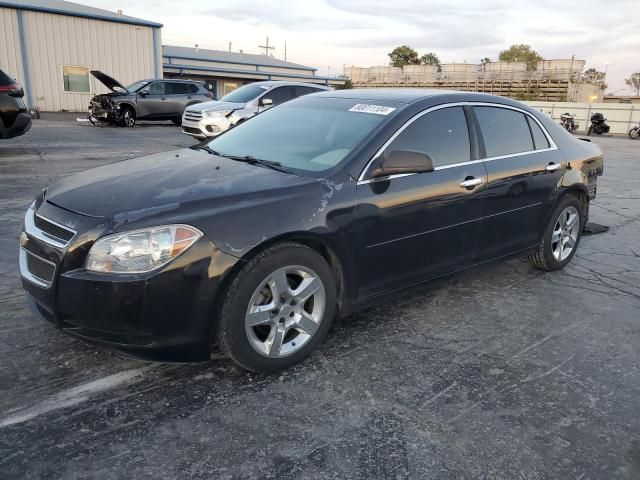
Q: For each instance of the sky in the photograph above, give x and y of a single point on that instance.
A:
(331, 34)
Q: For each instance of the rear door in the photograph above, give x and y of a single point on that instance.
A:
(416, 227)
(300, 90)
(524, 168)
(178, 96)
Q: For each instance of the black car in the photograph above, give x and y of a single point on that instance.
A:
(15, 120)
(314, 208)
(145, 100)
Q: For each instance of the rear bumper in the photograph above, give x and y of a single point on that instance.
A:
(21, 125)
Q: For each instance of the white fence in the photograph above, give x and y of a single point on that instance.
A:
(620, 116)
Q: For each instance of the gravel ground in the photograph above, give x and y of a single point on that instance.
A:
(499, 372)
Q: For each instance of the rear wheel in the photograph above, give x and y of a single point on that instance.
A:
(633, 133)
(177, 121)
(561, 236)
(277, 309)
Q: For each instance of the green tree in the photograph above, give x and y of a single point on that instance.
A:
(484, 61)
(430, 59)
(634, 82)
(404, 55)
(593, 74)
(521, 53)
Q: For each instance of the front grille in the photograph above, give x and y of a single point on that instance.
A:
(193, 116)
(53, 229)
(40, 268)
(192, 130)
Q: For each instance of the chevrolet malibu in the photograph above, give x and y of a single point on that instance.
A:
(258, 239)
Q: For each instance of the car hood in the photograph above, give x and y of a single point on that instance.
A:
(216, 105)
(165, 182)
(109, 82)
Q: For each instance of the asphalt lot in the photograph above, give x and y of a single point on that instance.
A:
(500, 372)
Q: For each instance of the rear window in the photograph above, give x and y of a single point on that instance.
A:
(178, 88)
(5, 79)
(540, 141)
(504, 131)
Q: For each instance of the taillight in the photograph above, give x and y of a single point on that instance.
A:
(11, 88)
(208, 95)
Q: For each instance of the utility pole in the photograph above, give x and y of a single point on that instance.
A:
(229, 46)
(285, 51)
(267, 48)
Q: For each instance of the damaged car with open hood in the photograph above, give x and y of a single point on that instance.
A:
(160, 99)
(257, 239)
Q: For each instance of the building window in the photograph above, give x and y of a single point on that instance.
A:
(229, 87)
(76, 79)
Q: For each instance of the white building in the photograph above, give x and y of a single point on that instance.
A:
(51, 45)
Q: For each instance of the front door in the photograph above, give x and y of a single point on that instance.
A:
(524, 170)
(416, 227)
(155, 103)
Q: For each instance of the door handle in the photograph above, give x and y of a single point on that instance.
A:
(472, 182)
(552, 167)
(189, 97)
(163, 98)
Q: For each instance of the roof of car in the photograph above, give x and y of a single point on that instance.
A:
(405, 95)
(274, 83)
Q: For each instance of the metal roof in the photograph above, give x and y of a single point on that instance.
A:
(61, 7)
(190, 53)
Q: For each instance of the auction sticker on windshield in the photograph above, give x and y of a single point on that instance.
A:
(377, 109)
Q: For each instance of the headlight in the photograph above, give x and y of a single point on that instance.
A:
(217, 113)
(140, 251)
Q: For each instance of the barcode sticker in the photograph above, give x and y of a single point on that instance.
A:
(377, 109)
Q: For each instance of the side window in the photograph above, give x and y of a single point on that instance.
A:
(540, 140)
(178, 88)
(193, 88)
(300, 91)
(157, 88)
(504, 131)
(442, 134)
(279, 95)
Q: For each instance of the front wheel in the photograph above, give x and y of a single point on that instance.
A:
(561, 236)
(277, 309)
(127, 118)
(633, 133)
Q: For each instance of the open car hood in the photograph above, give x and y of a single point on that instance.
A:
(109, 82)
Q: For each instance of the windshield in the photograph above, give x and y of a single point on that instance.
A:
(245, 94)
(135, 86)
(309, 134)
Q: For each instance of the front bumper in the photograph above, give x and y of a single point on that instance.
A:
(162, 315)
(205, 127)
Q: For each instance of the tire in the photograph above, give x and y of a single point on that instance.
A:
(634, 133)
(264, 333)
(177, 121)
(553, 252)
(127, 117)
(589, 131)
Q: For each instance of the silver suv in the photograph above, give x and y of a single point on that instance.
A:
(209, 119)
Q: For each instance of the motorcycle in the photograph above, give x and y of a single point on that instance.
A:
(635, 131)
(598, 124)
(567, 121)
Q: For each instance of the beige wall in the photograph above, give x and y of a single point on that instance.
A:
(123, 51)
(620, 117)
(10, 61)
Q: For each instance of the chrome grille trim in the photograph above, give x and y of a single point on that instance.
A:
(191, 115)
(25, 272)
(31, 228)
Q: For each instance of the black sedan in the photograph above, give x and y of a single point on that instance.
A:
(258, 239)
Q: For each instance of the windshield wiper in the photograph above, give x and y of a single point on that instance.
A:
(206, 148)
(277, 166)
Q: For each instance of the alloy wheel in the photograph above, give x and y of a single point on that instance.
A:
(565, 233)
(285, 311)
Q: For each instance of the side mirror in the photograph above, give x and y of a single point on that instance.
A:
(402, 161)
(144, 92)
(265, 102)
